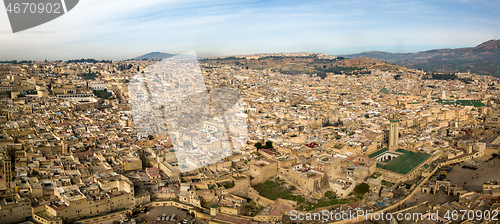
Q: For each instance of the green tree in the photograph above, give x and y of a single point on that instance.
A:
(258, 145)
(328, 194)
(103, 94)
(269, 145)
(362, 188)
(88, 76)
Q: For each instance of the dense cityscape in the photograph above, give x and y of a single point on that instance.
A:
(361, 136)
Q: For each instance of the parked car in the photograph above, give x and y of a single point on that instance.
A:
(172, 218)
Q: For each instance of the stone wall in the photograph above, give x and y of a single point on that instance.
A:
(255, 196)
(220, 166)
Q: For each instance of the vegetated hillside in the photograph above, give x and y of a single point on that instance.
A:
(294, 65)
(153, 56)
(482, 59)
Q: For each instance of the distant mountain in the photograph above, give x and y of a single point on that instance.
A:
(482, 59)
(153, 56)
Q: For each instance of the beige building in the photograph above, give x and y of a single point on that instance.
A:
(491, 188)
(263, 170)
(359, 166)
(342, 187)
(14, 209)
(327, 163)
(273, 213)
(132, 163)
(107, 195)
(188, 195)
(304, 175)
(231, 204)
(5, 173)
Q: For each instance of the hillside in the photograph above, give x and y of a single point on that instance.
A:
(294, 65)
(153, 56)
(482, 59)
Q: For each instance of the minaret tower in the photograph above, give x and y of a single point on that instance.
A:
(393, 133)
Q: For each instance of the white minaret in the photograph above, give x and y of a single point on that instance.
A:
(444, 95)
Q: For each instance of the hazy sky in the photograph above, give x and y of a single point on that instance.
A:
(122, 29)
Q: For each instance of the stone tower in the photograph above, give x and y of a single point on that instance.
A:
(393, 133)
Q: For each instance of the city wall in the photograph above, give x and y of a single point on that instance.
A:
(262, 201)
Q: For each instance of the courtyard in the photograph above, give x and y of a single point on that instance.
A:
(473, 179)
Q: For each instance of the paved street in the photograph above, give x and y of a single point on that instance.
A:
(169, 210)
(439, 197)
(158, 211)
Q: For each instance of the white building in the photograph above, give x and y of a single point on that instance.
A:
(81, 97)
(97, 86)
